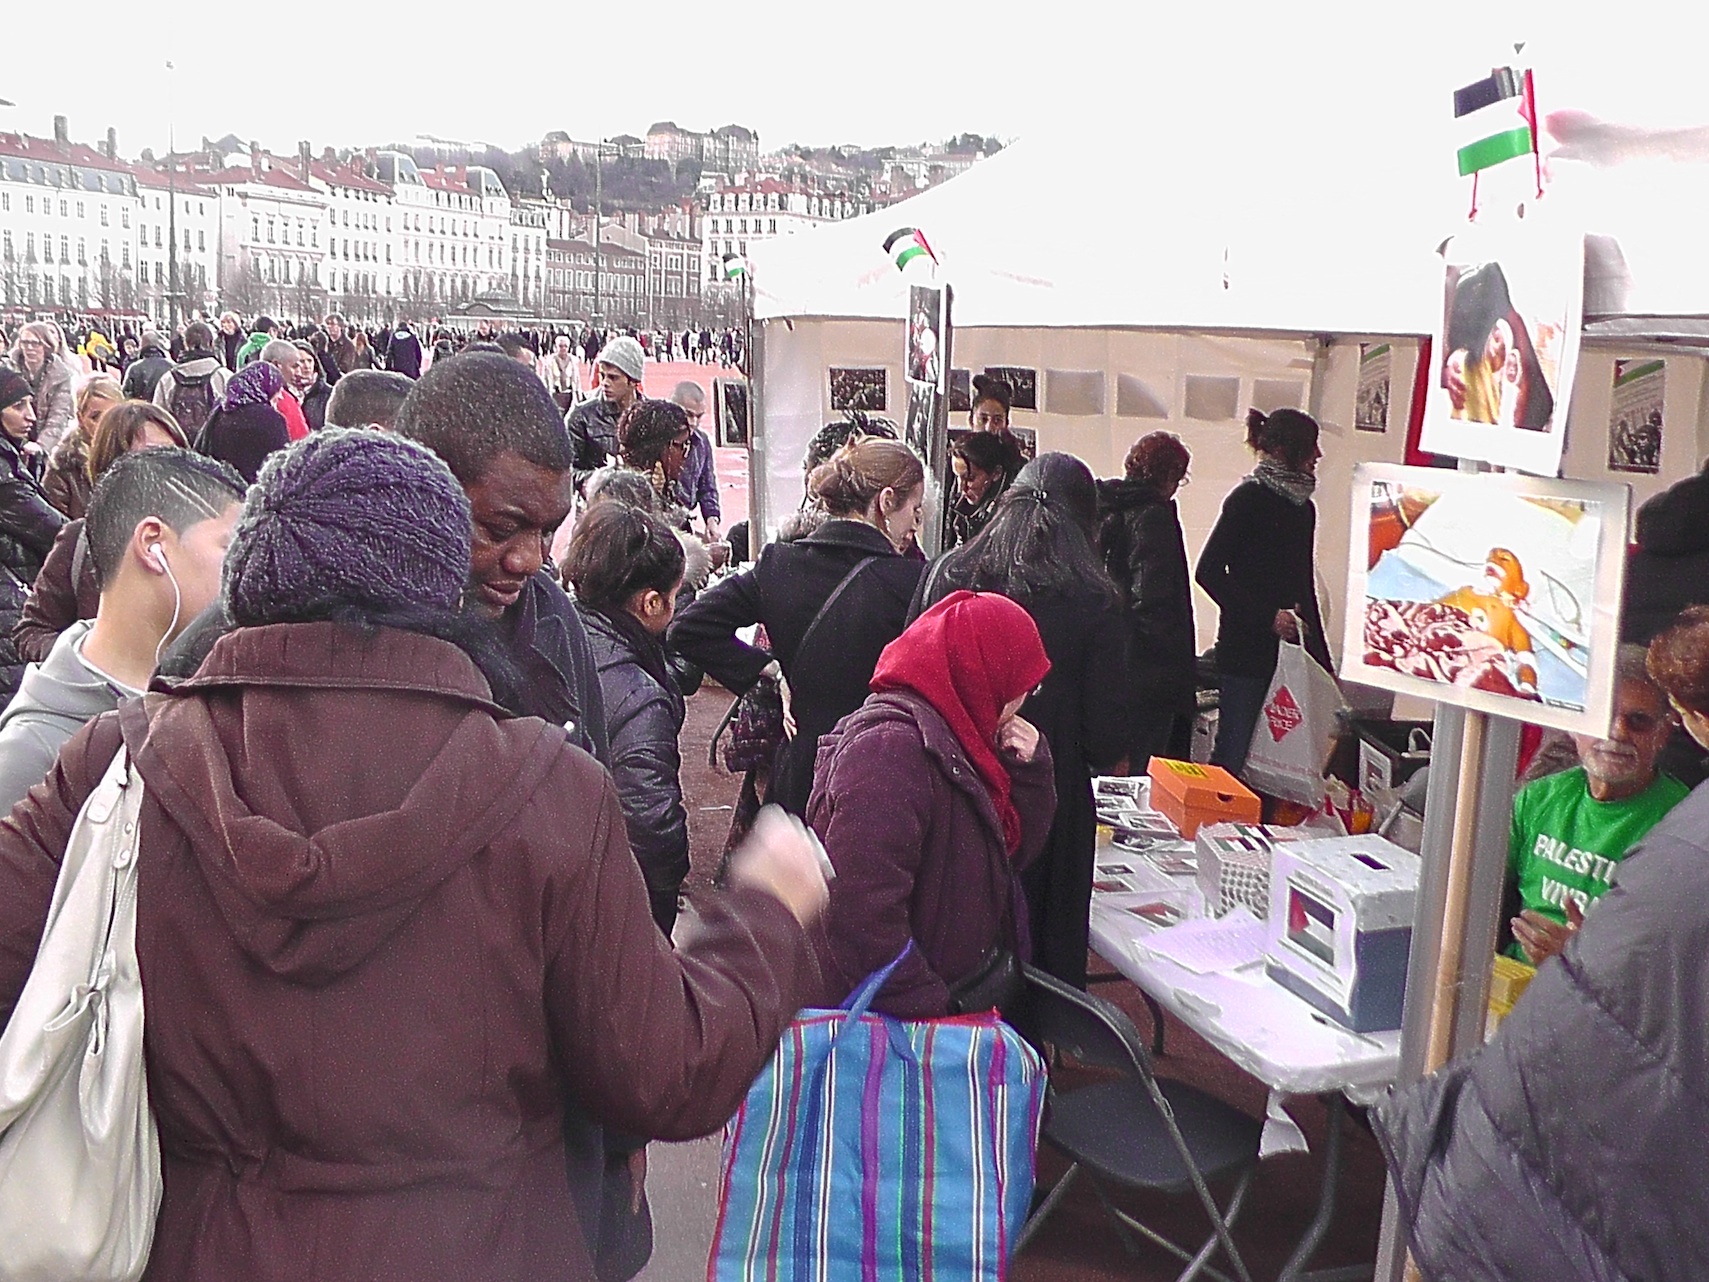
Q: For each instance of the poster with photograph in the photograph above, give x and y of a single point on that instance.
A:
(960, 391)
(922, 417)
(1635, 417)
(1021, 380)
(860, 389)
(730, 404)
(1507, 345)
(924, 358)
(1494, 592)
(1371, 402)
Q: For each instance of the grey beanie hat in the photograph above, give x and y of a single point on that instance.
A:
(348, 517)
(622, 353)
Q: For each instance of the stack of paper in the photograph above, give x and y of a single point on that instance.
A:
(1210, 946)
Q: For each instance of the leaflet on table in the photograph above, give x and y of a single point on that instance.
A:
(1211, 946)
(1170, 854)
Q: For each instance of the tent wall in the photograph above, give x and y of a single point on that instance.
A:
(1267, 371)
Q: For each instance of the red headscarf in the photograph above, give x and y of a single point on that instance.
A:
(968, 656)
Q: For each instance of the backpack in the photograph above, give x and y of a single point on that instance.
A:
(191, 402)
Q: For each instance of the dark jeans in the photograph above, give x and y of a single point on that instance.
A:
(1237, 716)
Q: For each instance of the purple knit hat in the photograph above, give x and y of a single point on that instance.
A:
(348, 518)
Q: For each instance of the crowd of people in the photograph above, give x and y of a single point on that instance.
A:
(398, 637)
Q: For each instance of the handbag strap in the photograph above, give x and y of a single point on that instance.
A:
(836, 592)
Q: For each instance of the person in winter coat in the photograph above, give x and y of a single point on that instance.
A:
(993, 400)
(403, 351)
(930, 798)
(266, 331)
(1568, 1149)
(1038, 551)
(849, 575)
(1259, 566)
(65, 590)
(492, 423)
(627, 567)
(161, 520)
(1140, 541)
(143, 374)
(28, 522)
(66, 481)
(451, 904)
(231, 340)
(190, 390)
(593, 424)
(654, 438)
(40, 356)
(340, 350)
(245, 428)
(978, 461)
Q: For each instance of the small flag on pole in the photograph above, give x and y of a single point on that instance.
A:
(735, 267)
(1498, 117)
(905, 244)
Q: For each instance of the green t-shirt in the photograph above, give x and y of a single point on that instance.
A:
(1566, 844)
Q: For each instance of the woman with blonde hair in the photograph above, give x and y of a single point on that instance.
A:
(830, 602)
(65, 590)
(66, 481)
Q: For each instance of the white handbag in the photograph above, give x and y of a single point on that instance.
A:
(1297, 729)
(79, 1155)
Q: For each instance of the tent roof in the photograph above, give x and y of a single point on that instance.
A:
(1293, 236)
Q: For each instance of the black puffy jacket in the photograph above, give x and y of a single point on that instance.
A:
(28, 526)
(1570, 1149)
(643, 718)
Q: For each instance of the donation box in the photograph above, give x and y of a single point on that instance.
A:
(1191, 795)
(1340, 926)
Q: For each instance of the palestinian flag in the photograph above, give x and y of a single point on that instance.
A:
(735, 267)
(905, 244)
(1498, 119)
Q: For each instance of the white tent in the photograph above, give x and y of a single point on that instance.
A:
(1176, 292)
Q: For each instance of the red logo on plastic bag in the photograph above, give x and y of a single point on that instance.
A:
(1283, 714)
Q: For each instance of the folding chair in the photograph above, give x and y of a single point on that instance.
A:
(1135, 1131)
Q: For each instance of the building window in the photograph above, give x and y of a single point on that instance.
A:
(125, 219)
(772, 227)
(82, 251)
(65, 249)
(29, 204)
(201, 241)
(64, 212)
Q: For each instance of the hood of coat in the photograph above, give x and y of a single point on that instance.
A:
(1676, 521)
(319, 838)
(62, 688)
(1127, 496)
(197, 365)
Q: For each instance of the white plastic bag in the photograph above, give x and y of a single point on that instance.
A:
(1297, 729)
(79, 1154)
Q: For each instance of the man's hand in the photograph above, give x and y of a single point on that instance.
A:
(712, 530)
(1541, 938)
(637, 1179)
(1287, 626)
(783, 859)
(1018, 736)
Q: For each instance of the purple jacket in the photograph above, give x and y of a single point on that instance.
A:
(697, 484)
(918, 849)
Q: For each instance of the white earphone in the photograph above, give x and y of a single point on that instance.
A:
(158, 554)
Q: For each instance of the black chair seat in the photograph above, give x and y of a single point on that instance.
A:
(1114, 1128)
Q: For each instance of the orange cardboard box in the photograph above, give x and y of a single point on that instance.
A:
(1192, 795)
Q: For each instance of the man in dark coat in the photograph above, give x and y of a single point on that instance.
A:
(403, 350)
(498, 431)
(593, 424)
(144, 373)
(1570, 1149)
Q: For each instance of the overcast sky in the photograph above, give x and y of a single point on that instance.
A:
(342, 73)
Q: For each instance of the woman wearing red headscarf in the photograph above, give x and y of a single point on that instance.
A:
(930, 798)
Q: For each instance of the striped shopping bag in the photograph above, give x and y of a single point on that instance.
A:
(874, 1149)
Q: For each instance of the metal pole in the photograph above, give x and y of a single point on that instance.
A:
(598, 201)
(171, 203)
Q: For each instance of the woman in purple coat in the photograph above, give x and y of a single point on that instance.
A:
(930, 798)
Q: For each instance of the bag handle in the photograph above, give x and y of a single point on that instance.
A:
(857, 1002)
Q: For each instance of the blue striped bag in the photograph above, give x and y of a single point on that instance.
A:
(874, 1149)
